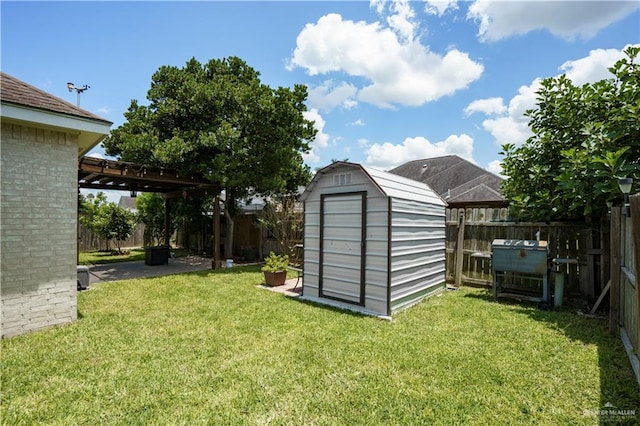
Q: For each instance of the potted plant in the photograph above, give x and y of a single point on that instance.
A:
(275, 269)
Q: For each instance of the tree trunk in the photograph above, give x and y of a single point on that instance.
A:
(228, 240)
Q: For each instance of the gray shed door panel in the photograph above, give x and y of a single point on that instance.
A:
(342, 247)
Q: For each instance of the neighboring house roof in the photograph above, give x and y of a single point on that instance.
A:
(256, 203)
(23, 102)
(456, 180)
(391, 185)
(128, 203)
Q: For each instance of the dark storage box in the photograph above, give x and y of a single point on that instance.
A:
(156, 255)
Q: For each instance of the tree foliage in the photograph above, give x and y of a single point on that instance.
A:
(282, 216)
(90, 207)
(116, 224)
(106, 219)
(151, 211)
(193, 214)
(585, 138)
(218, 119)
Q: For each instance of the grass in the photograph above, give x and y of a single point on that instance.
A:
(210, 347)
(96, 257)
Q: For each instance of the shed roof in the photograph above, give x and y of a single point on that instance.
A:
(24, 103)
(389, 184)
(455, 179)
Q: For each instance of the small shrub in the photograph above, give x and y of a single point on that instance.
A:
(276, 262)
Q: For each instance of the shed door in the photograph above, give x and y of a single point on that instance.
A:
(342, 246)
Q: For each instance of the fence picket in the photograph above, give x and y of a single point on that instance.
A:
(483, 225)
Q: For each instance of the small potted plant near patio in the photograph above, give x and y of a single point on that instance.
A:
(275, 269)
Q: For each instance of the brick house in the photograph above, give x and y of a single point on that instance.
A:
(42, 137)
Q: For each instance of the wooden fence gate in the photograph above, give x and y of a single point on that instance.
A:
(625, 269)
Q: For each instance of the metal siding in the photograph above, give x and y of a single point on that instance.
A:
(377, 255)
(404, 257)
(413, 298)
(417, 252)
(311, 262)
(398, 187)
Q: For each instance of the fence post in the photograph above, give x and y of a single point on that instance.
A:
(614, 291)
(459, 250)
(635, 235)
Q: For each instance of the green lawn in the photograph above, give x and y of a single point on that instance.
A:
(212, 348)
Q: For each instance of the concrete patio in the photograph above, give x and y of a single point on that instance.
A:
(138, 269)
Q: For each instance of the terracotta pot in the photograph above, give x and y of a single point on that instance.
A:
(275, 278)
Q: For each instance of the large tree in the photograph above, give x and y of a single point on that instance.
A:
(218, 119)
(585, 138)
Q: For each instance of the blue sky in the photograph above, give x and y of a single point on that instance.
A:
(389, 81)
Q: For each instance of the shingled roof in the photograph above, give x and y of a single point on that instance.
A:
(14, 91)
(456, 180)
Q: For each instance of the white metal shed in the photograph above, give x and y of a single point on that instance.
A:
(373, 241)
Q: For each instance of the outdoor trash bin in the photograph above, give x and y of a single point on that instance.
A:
(83, 277)
(156, 255)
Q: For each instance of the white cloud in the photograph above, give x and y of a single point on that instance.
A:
(358, 123)
(489, 106)
(104, 110)
(321, 140)
(495, 167)
(566, 19)
(400, 20)
(422, 77)
(337, 140)
(594, 67)
(439, 7)
(525, 99)
(388, 155)
(394, 71)
(513, 126)
(508, 129)
(329, 95)
(363, 142)
(378, 5)
(311, 157)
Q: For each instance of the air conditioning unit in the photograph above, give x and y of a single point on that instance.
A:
(83, 277)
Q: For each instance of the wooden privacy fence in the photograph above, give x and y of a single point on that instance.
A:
(480, 226)
(625, 269)
(88, 241)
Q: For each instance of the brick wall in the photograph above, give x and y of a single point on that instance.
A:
(38, 195)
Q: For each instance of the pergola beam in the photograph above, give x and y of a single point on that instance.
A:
(98, 173)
